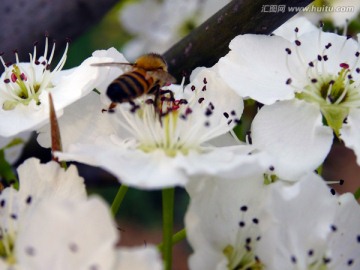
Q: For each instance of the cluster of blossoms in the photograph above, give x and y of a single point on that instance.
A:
(253, 205)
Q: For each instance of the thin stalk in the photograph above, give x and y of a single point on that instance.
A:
(115, 206)
(176, 238)
(168, 223)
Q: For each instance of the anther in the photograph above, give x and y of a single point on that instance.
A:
(204, 88)
(344, 65)
(193, 88)
(332, 191)
(205, 81)
(314, 80)
(319, 57)
(325, 57)
(328, 45)
(243, 208)
(297, 42)
(200, 100)
(311, 64)
(357, 54)
(226, 115)
(296, 29)
(288, 51)
(288, 81)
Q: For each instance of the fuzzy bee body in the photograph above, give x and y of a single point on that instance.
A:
(131, 85)
(146, 76)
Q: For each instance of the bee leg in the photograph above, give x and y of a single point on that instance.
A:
(111, 108)
(164, 92)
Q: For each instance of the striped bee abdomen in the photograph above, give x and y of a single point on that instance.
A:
(129, 86)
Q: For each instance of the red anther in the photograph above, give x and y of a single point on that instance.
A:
(344, 65)
(13, 77)
(23, 77)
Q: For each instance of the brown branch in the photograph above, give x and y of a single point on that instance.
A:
(207, 43)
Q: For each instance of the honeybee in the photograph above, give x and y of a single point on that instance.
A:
(146, 76)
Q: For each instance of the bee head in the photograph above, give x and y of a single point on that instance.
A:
(151, 61)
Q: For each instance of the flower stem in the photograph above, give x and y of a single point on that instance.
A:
(176, 238)
(168, 222)
(115, 206)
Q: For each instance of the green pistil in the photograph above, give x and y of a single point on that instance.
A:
(7, 250)
(248, 262)
(332, 96)
(170, 147)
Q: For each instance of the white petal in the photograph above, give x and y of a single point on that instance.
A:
(253, 72)
(350, 132)
(139, 258)
(299, 221)
(345, 240)
(287, 30)
(213, 217)
(82, 121)
(62, 235)
(292, 132)
(218, 96)
(41, 181)
(159, 170)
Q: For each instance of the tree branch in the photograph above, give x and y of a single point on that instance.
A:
(207, 43)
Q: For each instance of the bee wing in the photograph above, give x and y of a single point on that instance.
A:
(125, 66)
(161, 75)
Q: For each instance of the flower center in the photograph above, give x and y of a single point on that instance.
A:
(24, 82)
(335, 93)
(179, 121)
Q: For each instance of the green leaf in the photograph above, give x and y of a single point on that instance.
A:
(6, 171)
(357, 194)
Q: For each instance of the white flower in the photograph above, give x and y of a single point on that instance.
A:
(38, 182)
(66, 235)
(134, 137)
(24, 89)
(309, 228)
(223, 220)
(169, 150)
(157, 27)
(245, 224)
(315, 76)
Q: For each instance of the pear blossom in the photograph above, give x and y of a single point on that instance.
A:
(244, 223)
(24, 88)
(303, 83)
(157, 27)
(38, 182)
(312, 228)
(168, 148)
(85, 238)
(223, 220)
